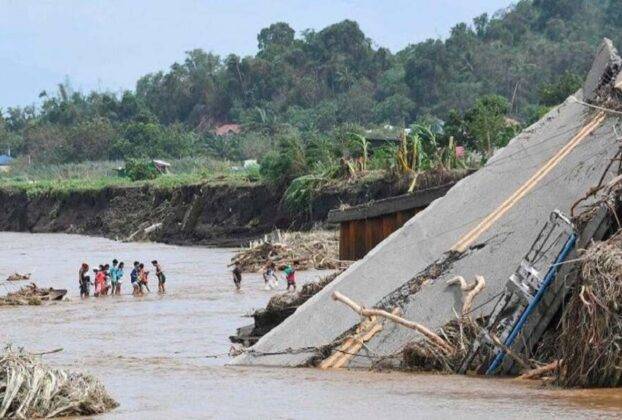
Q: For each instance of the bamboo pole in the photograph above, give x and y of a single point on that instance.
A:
(534, 373)
(430, 335)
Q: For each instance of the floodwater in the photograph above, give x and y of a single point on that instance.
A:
(151, 352)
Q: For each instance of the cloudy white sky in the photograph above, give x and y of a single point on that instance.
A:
(109, 44)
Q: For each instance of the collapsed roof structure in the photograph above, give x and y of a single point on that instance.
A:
(483, 226)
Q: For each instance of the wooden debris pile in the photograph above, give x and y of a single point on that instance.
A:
(32, 295)
(303, 250)
(18, 277)
(31, 389)
(442, 351)
(590, 343)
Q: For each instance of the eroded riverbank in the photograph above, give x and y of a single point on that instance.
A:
(150, 352)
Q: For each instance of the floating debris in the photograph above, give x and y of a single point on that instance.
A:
(31, 389)
(317, 249)
(32, 295)
(18, 277)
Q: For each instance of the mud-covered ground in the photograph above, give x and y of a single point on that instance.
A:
(205, 214)
(151, 352)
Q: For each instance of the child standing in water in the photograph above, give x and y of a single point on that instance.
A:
(112, 272)
(237, 276)
(116, 272)
(143, 278)
(106, 287)
(84, 280)
(117, 291)
(134, 279)
(290, 276)
(100, 280)
(271, 281)
(160, 275)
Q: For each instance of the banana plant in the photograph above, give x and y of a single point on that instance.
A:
(361, 143)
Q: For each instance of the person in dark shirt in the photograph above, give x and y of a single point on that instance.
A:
(84, 280)
(160, 275)
(237, 276)
(134, 279)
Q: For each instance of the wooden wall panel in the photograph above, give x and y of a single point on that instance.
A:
(358, 237)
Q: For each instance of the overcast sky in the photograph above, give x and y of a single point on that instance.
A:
(109, 44)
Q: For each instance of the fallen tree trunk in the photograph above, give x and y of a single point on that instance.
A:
(430, 335)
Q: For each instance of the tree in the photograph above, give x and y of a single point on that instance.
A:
(396, 109)
(556, 92)
(486, 123)
(277, 36)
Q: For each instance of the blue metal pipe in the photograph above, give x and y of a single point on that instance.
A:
(548, 279)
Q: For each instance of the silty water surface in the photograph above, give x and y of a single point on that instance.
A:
(151, 352)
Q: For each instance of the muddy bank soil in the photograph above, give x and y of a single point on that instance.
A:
(223, 215)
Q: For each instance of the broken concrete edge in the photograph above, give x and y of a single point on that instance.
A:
(605, 66)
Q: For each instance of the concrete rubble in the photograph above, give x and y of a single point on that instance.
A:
(483, 226)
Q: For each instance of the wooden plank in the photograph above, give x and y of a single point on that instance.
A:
(345, 253)
(358, 344)
(388, 225)
(359, 239)
(349, 344)
(353, 344)
(369, 234)
(377, 231)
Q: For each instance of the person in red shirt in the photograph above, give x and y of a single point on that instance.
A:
(290, 276)
(100, 280)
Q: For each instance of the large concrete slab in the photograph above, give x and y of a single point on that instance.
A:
(431, 233)
(507, 240)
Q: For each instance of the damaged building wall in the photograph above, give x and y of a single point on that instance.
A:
(546, 167)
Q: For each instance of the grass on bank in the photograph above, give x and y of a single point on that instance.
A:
(38, 179)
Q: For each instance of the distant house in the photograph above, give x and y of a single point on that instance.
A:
(5, 161)
(161, 166)
(227, 129)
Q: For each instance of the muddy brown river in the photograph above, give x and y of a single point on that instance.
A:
(151, 352)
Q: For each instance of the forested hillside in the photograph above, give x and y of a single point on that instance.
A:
(315, 85)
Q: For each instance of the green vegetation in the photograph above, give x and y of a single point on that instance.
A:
(139, 170)
(305, 104)
(63, 178)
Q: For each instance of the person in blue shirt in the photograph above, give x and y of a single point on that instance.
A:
(116, 272)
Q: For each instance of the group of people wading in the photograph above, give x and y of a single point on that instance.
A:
(108, 279)
(270, 277)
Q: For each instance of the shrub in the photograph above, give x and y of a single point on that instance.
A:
(280, 167)
(139, 170)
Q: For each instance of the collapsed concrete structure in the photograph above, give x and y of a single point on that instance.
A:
(483, 226)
